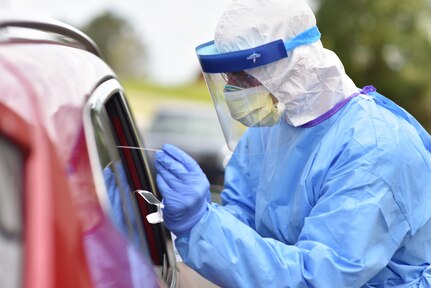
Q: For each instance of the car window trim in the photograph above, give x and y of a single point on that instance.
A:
(97, 101)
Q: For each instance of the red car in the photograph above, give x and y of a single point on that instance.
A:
(69, 216)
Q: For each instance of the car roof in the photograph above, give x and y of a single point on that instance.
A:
(47, 88)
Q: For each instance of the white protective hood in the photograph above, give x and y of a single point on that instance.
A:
(311, 80)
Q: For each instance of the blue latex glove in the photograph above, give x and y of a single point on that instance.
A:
(184, 187)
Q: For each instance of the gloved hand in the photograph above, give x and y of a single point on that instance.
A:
(184, 187)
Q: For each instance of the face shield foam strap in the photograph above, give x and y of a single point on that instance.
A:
(213, 62)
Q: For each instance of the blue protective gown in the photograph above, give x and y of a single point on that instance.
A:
(346, 203)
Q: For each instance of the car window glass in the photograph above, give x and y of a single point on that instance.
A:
(124, 211)
(136, 169)
(11, 215)
(124, 171)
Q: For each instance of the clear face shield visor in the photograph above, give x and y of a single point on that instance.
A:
(242, 103)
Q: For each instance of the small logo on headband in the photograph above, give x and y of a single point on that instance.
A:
(253, 57)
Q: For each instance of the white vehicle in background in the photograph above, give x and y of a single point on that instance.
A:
(195, 129)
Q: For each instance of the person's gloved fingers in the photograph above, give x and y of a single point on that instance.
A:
(173, 179)
(165, 161)
(169, 187)
(163, 185)
(169, 163)
(181, 156)
(172, 200)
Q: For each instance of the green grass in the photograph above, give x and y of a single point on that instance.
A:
(143, 96)
(196, 91)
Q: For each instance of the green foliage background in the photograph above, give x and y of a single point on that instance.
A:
(121, 47)
(385, 43)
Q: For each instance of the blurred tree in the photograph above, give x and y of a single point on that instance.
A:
(383, 43)
(120, 45)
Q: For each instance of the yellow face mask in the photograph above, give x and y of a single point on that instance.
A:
(253, 107)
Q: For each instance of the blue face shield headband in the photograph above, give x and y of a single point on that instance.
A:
(214, 62)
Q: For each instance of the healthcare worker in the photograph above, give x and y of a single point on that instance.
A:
(328, 186)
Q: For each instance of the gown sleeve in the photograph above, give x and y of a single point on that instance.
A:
(351, 233)
(345, 241)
